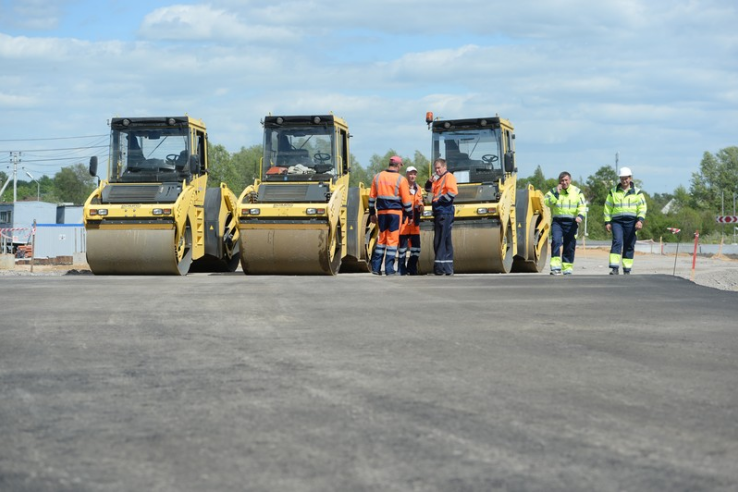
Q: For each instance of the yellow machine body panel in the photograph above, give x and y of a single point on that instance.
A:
(155, 213)
(497, 228)
(301, 217)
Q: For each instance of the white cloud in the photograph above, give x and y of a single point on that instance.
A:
(36, 15)
(17, 101)
(203, 22)
(580, 80)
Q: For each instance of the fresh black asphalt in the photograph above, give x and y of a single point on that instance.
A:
(472, 382)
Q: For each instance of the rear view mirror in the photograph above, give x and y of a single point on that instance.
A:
(93, 165)
(195, 164)
(509, 162)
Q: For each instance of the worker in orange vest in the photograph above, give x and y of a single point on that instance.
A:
(389, 201)
(444, 189)
(410, 229)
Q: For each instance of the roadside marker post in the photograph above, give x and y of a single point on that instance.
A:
(674, 230)
(727, 219)
(694, 255)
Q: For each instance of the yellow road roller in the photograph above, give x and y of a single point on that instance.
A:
(497, 228)
(154, 214)
(300, 217)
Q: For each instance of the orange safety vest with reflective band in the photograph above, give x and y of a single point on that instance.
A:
(389, 192)
(412, 225)
(444, 192)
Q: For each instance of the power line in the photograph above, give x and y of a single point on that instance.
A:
(56, 159)
(57, 150)
(50, 138)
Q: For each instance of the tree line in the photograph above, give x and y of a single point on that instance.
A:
(715, 185)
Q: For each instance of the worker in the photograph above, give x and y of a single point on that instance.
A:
(625, 213)
(567, 210)
(410, 229)
(442, 186)
(389, 202)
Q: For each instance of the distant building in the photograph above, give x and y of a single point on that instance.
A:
(59, 228)
(669, 207)
(16, 221)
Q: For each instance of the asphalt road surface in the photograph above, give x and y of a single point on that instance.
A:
(476, 382)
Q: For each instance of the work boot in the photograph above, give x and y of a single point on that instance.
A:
(568, 272)
(626, 272)
(555, 272)
(614, 271)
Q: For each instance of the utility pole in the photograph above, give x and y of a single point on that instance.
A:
(14, 156)
(617, 159)
(734, 228)
(722, 212)
(586, 214)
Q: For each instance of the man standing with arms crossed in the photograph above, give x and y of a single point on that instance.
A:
(410, 229)
(389, 201)
(443, 187)
(567, 210)
(625, 212)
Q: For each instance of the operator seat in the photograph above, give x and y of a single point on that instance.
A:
(181, 163)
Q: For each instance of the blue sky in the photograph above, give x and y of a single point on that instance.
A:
(654, 81)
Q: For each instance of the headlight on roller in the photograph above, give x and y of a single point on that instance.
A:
(315, 211)
(427, 213)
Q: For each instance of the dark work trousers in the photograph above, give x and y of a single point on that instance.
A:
(442, 246)
(389, 240)
(564, 232)
(411, 242)
(623, 241)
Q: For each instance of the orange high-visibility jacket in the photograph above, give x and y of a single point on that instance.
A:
(445, 190)
(412, 225)
(390, 192)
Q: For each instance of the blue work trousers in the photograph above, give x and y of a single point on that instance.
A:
(623, 242)
(389, 240)
(411, 242)
(564, 233)
(442, 245)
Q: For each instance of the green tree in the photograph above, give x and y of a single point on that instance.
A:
(716, 179)
(423, 165)
(595, 188)
(246, 163)
(681, 198)
(74, 184)
(357, 173)
(379, 163)
(599, 185)
(221, 168)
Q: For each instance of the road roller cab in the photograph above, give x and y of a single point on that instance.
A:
(154, 214)
(301, 217)
(497, 228)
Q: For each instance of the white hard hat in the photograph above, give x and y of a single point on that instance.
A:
(625, 171)
(411, 169)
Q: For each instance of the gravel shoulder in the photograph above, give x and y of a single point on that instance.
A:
(716, 272)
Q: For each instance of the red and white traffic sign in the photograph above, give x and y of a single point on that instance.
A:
(673, 230)
(727, 219)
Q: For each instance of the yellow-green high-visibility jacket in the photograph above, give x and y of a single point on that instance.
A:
(625, 205)
(566, 205)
